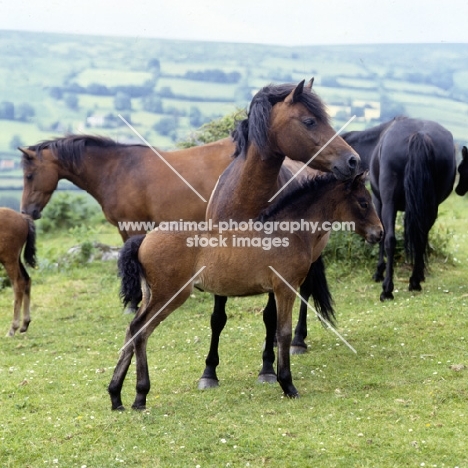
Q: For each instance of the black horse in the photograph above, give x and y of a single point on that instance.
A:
(412, 168)
(462, 186)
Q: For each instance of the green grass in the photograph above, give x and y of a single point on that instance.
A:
(396, 403)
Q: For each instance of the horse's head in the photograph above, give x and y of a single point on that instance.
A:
(300, 129)
(358, 208)
(40, 179)
(462, 186)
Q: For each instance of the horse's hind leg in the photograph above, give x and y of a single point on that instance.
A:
(267, 372)
(209, 379)
(418, 267)
(379, 272)
(388, 221)
(26, 300)
(115, 386)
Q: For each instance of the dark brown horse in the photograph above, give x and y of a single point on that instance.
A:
(17, 231)
(282, 120)
(412, 169)
(130, 182)
(166, 265)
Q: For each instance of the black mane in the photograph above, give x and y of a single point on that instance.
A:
(255, 127)
(69, 150)
(299, 199)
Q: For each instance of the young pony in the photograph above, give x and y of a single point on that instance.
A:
(166, 266)
(17, 231)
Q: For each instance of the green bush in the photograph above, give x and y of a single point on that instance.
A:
(214, 130)
(68, 211)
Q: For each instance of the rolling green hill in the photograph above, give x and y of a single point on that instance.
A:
(54, 84)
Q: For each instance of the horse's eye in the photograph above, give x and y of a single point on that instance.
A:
(309, 122)
(29, 176)
(364, 205)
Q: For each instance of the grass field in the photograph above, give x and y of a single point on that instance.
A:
(399, 402)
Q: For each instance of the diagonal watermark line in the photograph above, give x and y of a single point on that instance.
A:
(312, 158)
(162, 308)
(311, 308)
(142, 138)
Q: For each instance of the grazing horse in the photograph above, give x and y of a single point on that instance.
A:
(462, 186)
(412, 169)
(16, 231)
(130, 182)
(166, 265)
(282, 120)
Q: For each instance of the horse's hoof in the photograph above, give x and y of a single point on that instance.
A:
(10, 334)
(414, 287)
(205, 383)
(298, 349)
(267, 378)
(119, 408)
(292, 395)
(377, 278)
(386, 296)
(138, 407)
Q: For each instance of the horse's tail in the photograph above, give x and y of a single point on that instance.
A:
(130, 271)
(421, 206)
(29, 253)
(317, 286)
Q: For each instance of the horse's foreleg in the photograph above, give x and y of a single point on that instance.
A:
(115, 386)
(298, 345)
(267, 373)
(381, 265)
(284, 302)
(209, 379)
(17, 281)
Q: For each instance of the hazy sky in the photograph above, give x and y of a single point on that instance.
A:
(283, 22)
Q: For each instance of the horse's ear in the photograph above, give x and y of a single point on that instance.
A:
(293, 96)
(27, 153)
(309, 84)
(464, 153)
(359, 179)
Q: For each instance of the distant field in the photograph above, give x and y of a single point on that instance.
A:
(111, 78)
(199, 89)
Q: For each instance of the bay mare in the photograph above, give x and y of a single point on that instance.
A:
(412, 169)
(17, 232)
(130, 182)
(165, 267)
(282, 120)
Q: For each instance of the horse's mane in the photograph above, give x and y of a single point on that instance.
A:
(69, 150)
(301, 197)
(255, 127)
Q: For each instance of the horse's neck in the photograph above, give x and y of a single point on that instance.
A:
(245, 188)
(91, 177)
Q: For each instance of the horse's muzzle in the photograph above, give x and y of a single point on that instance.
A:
(348, 168)
(35, 213)
(374, 236)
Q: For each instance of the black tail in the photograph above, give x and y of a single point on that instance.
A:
(29, 253)
(130, 271)
(421, 206)
(316, 285)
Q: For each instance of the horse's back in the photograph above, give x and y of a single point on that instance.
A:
(13, 232)
(398, 146)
